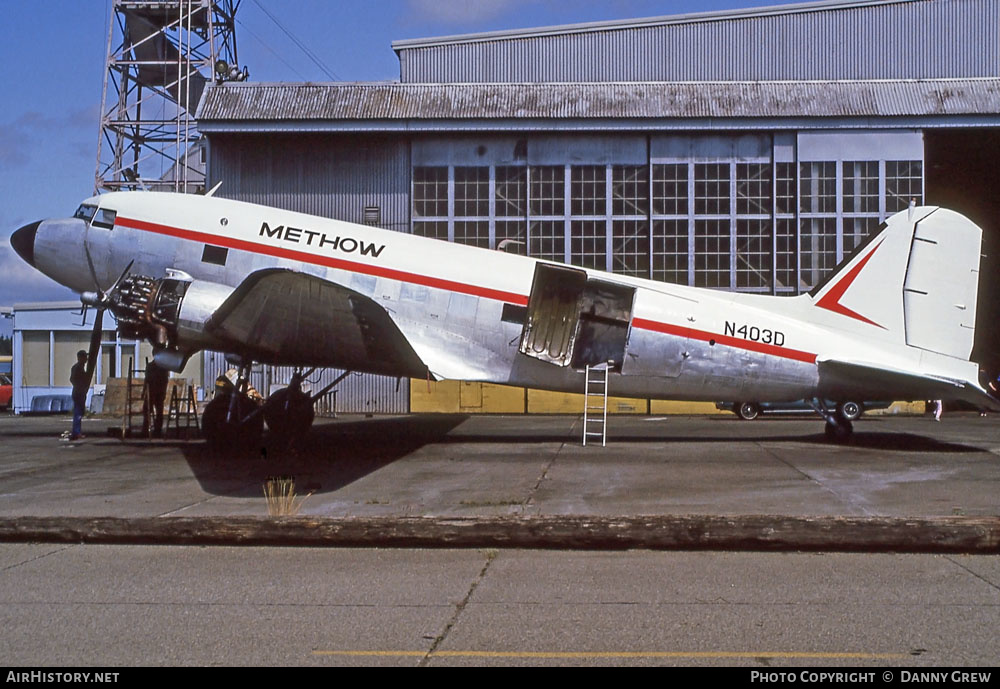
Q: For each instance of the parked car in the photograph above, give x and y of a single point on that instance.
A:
(748, 411)
(6, 391)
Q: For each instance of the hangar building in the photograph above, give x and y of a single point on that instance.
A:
(738, 150)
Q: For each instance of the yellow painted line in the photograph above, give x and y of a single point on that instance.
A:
(620, 654)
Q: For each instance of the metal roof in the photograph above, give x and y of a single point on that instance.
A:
(611, 25)
(261, 103)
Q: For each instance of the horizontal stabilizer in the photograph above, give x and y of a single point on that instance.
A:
(855, 380)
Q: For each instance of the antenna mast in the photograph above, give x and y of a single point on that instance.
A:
(161, 54)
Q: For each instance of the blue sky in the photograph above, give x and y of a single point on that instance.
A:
(53, 68)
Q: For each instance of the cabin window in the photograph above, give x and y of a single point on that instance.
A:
(105, 218)
(513, 313)
(85, 212)
(215, 254)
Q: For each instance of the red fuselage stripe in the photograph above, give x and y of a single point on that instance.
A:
(327, 261)
(739, 343)
(428, 281)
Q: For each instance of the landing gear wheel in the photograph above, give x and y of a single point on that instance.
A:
(849, 411)
(840, 432)
(289, 413)
(748, 411)
(226, 433)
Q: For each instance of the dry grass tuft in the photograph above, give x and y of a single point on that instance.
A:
(279, 492)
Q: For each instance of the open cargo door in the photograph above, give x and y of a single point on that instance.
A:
(576, 321)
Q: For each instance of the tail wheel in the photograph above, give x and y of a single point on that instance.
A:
(839, 432)
(748, 411)
(849, 411)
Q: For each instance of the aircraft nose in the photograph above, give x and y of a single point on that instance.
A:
(23, 241)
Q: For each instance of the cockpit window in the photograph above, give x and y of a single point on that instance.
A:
(105, 218)
(85, 212)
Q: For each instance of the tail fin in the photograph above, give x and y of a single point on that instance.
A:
(915, 282)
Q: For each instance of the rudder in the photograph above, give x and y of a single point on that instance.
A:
(942, 283)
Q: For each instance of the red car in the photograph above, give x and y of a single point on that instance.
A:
(6, 391)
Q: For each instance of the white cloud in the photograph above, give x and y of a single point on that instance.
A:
(19, 138)
(19, 282)
(464, 12)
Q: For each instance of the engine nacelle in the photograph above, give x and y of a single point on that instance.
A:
(171, 312)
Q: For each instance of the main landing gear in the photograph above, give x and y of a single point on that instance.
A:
(839, 421)
(234, 419)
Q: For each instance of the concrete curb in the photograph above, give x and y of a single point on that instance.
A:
(979, 535)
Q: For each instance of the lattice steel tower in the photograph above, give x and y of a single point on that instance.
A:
(161, 54)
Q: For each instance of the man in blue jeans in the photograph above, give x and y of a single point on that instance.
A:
(80, 381)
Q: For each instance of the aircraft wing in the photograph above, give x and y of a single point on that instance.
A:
(310, 321)
(846, 379)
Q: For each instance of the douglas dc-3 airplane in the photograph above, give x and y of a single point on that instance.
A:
(894, 321)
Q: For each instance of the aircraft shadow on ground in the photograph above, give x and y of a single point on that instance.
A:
(326, 459)
(904, 442)
(334, 455)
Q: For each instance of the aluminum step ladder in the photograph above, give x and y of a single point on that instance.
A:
(595, 403)
(182, 413)
(135, 421)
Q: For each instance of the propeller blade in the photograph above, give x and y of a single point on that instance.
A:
(120, 277)
(95, 345)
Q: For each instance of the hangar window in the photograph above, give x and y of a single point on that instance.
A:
(473, 233)
(711, 189)
(434, 230)
(785, 253)
(861, 186)
(818, 249)
(430, 192)
(547, 190)
(753, 253)
(630, 247)
(784, 176)
(856, 230)
(670, 189)
(629, 190)
(510, 236)
(588, 244)
(753, 188)
(587, 190)
(511, 191)
(472, 192)
(904, 180)
(670, 251)
(818, 187)
(547, 240)
(711, 253)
